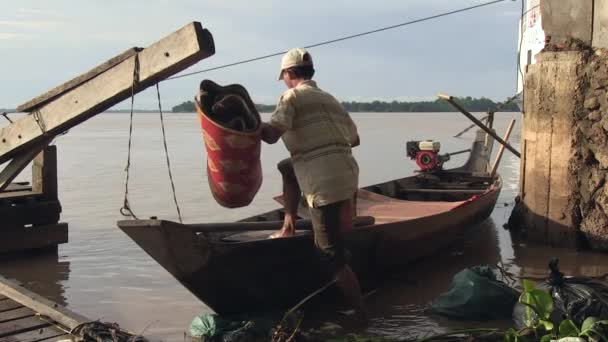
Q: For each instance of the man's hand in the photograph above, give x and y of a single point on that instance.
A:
(270, 134)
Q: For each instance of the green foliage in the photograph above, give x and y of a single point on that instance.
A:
(539, 306)
(474, 105)
(186, 107)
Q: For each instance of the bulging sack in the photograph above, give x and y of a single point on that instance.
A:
(231, 131)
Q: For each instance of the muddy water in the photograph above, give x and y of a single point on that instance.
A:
(102, 274)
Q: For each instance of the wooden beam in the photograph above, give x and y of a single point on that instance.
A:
(29, 238)
(73, 83)
(19, 163)
(501, 150)
(455, 104)
(41, 305)
(162, 59)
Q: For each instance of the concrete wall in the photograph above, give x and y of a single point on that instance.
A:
(600, 24)
(568, 18)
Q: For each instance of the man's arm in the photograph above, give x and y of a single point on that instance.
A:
(271, 134)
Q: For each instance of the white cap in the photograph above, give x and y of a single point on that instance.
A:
(295, 57)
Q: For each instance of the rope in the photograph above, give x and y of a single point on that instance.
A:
(341, 38)
(126, 207)
(162, 125)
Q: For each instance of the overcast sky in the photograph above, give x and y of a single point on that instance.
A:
(44, 43)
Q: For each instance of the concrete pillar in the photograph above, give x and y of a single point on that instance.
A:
(564, 187)
(600, 24)
(548, 150)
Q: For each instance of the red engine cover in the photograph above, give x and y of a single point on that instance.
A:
(234, 169)
(427, 160)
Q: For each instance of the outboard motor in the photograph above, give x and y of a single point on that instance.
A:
(426, 154)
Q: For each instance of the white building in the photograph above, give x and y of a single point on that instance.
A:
(531, 39)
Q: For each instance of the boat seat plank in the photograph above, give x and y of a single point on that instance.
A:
(21, 325)
(256, 235)
(50, 333)
(387, 209)
(16, 314)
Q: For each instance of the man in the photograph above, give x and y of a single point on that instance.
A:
(319, 134)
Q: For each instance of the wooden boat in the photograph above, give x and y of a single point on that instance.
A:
(234, 268)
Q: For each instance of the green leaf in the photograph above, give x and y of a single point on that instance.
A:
(547, 338)
(547, 325)
(543, 303)
(588, 323)
(511, 336)
(528, 285)
(567, 328)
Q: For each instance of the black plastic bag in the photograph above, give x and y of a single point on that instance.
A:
(574, 298)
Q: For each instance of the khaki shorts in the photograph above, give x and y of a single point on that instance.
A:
(327, 224)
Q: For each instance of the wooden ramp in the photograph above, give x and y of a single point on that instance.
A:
(28, 317)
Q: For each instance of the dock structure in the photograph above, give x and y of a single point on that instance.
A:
(31, 213)
(27, 317)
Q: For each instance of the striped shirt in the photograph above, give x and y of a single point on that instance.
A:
(319, 134)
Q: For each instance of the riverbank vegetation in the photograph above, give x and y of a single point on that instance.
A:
(471, 104)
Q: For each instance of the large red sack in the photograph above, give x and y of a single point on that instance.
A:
(231, 131)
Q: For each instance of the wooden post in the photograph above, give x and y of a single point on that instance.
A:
(479, 123)
(501, 149)
(44, 173)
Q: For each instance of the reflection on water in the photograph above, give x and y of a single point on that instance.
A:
(45, 274)
(102, 274)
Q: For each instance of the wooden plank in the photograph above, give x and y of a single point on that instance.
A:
(162, 59)
(21, 325)
(30, 212)
(21, 312)
(456, 105)
(25, 238)
(45, 307)
(43, 334)
(44, 173)
(18, 187)
(501, 150)
(60, 338)
(7, 305)
(19, 194)
(73, 83)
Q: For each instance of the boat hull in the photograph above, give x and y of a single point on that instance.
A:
(264, 274)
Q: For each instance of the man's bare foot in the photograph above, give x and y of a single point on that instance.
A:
(283, 233)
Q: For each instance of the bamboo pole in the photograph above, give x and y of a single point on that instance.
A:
(502, 149)
(451, 101)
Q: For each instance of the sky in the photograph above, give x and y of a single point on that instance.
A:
(45, 43)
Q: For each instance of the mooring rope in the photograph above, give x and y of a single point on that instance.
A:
(357, 35)
(126, 207)
(162, 125)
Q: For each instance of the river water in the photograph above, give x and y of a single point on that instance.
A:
(102, 274)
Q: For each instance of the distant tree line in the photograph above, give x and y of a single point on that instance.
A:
(474, 105)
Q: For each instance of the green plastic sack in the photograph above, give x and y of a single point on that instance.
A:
(476, 294)
(213, 328)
